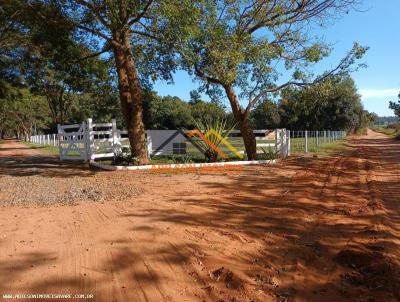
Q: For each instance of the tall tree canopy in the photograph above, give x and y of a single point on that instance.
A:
(80, 55)
(236, 46)
(333, 104)
(140, 35)
(395, 106)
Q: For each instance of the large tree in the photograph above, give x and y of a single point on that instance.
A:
(21, 112)
(140, 35)
(333, 104)
(237, 45)
(395, 107)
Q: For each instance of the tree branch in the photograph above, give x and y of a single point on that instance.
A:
(202, 75)
(343, 66)
(108, 48)
(140, 15)
(95, 11)
(275, 89)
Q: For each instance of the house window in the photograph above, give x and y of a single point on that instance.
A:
(179, 148)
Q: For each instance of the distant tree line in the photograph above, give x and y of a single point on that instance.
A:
(395, 106)
(333, 104)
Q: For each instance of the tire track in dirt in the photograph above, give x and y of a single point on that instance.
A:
(369, 266)
(296, 239)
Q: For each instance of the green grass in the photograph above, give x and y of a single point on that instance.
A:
(333, 149)
(391, 131)
(297, 146)
(385, 130)
(50, 150)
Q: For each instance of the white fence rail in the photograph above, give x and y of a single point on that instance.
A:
(312, 141)
(45, 139)
(90, 141)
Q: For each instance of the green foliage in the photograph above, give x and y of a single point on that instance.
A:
(395, 107)
(221, 132)
(50, 72)
(270, 154)
(124, 157)
(21, 111)
(332, 104)
(173, 113)
(239, 43)
(50, 150)
(265, 116)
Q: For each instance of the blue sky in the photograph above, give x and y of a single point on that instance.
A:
(377, 26)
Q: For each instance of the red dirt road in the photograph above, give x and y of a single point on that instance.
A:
(302, 230)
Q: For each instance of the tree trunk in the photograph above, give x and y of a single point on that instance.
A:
(137, 124)
(131, 101)
(241, 118)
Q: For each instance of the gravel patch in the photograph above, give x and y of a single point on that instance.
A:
(39, 190)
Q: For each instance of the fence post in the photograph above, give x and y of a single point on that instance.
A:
(149, 143)
(306, 140)
(89, 138)
(282, 139)
(59, 142)
(116, 137)
(287, 142)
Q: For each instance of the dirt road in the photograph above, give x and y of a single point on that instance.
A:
(306, 229)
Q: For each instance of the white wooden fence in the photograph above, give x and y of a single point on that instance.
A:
(45, 139)
(89, 141)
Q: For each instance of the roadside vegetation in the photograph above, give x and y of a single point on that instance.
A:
(63, 62)
(49, 150)
(392, 126)
(333, 149)
(392, 130)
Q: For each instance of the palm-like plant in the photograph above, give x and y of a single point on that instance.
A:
(212, 132)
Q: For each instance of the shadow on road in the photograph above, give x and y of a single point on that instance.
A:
(17, 159)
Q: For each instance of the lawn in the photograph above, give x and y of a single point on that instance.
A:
(297, 145)
(391, 130)
(385, 130)
(50, 150)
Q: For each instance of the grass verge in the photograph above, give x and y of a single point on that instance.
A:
(322, 150)
(333, 149)
(385, 130)
(49, 150)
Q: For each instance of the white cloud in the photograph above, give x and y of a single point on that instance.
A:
(379, 93)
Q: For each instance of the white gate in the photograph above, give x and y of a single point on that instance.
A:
(104, 140)
(72, 142)
(90, 141)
